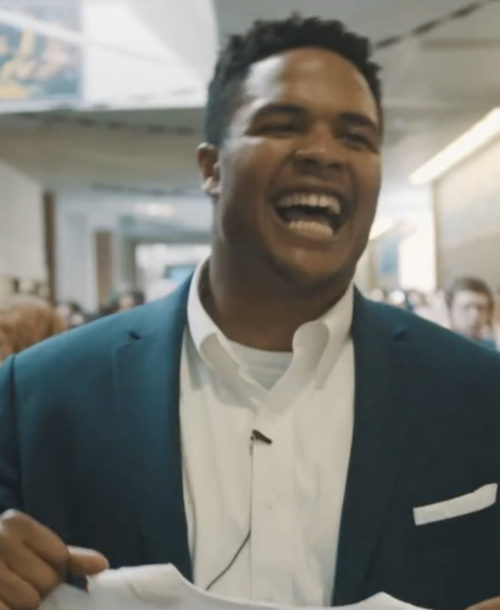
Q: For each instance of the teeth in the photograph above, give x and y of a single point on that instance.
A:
(315, 200)
(305, 226)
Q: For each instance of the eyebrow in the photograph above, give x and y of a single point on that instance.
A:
(275, 108)
(353, 118)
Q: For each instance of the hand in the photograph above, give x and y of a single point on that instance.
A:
(34, 560)
(488, 604)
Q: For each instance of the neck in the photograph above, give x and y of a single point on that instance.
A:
(258, 308)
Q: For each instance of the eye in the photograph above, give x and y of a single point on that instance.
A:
(358, 140)
(278, 128)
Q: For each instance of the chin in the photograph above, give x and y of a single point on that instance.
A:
(308, 277)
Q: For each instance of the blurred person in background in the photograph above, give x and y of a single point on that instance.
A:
(130, 299)
(121, 302)
(470, 304)
(378, 295)
(264, 428)
(24, 321)
(416, 301)
(72, 313)
(397, 298)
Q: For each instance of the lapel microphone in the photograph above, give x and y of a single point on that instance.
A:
(258, 436)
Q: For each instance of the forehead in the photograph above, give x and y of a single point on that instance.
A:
(471, 297)
(312, 77)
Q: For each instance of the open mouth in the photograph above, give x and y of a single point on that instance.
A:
(314, 215)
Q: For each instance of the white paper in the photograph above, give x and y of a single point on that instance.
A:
(162, 587)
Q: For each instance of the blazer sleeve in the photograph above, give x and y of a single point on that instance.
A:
(10, 485)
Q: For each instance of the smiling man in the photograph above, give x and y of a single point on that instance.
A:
(294, 178)
(265, 429)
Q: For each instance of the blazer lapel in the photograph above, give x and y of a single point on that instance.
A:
(378, 437)
(147, 378)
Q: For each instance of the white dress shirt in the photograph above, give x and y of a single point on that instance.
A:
(263, 518)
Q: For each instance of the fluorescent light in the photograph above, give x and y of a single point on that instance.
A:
(155, 210)
(473, 139)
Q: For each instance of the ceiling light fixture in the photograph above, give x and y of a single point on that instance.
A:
(472, 140)
(155, 210)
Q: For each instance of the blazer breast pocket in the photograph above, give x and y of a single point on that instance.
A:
(447, 539)
(456, 530)
(478, 500)
(451, 551)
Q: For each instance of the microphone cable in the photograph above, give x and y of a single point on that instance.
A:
(231, 563)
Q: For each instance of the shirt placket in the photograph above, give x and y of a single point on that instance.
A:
(272, 509)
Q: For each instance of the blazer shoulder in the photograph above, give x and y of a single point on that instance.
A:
(95, 341)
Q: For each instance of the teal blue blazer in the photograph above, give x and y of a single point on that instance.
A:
(89, 446)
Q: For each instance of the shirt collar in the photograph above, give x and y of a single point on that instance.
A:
(321, 340)
(200, 323)
(337, 321)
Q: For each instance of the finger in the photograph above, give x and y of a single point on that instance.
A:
(85, 562)
(41, 575)
(488, 604)
(17, 593)
(39, 538)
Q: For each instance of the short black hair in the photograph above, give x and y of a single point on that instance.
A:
(266, 38)
(470, 284)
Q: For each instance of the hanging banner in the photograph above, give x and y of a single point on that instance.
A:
(38, 68)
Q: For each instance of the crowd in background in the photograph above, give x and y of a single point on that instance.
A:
(467, 306)
(26, 319)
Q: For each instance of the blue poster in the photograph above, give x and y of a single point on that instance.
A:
(388, 255)
(35, 65)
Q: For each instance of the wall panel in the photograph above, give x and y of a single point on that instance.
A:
(467, 201)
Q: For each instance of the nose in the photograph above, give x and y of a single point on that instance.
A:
(320, 153)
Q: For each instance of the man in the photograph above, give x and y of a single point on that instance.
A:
(264, 428)
(470, 304)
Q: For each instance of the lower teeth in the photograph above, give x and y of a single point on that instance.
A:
(304, 226)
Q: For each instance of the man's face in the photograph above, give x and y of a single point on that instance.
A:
(297, 179)
(470, 313)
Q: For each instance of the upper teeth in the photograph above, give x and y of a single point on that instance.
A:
(317, 200)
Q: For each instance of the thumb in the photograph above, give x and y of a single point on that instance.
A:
(488, 604)
(85, 562)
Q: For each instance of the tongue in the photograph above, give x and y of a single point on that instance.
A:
(296, 214)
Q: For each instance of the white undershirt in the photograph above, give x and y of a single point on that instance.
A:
(289, 493)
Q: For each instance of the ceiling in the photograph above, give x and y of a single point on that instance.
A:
(435, 85)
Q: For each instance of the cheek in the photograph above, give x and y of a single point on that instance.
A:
(372, 178)
(368, 182)
(249, 165)
(247, 174)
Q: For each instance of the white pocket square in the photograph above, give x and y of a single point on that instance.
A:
(455, 507)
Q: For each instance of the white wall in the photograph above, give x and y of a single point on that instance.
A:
(417, 253)
(21, 226)
(75, 259)
(467, 200)
(410, 209)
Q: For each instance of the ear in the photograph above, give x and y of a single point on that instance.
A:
(208, 162)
